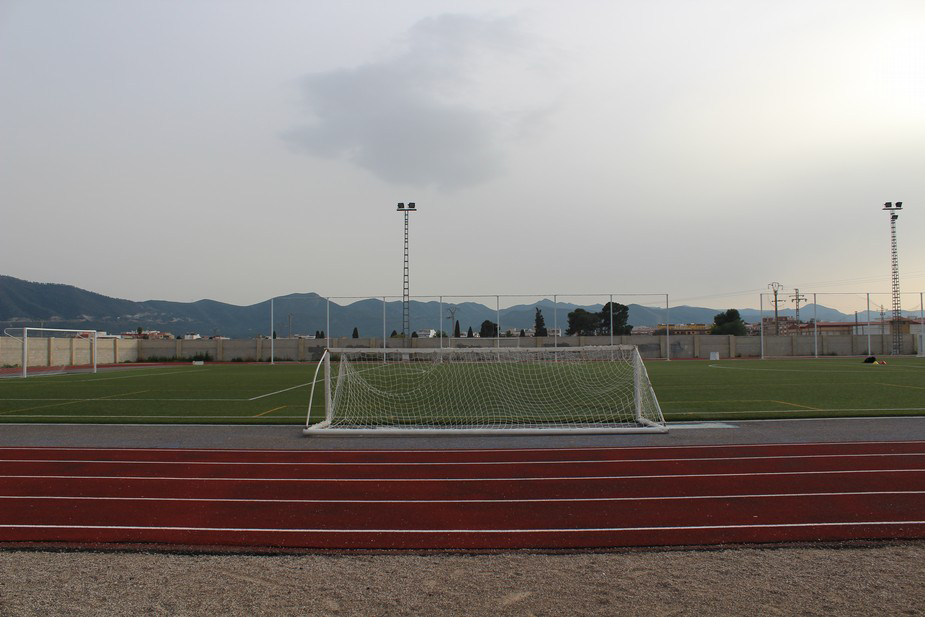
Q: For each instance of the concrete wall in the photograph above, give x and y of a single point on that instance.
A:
(49, 352)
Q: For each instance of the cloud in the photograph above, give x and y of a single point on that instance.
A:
(441, 112)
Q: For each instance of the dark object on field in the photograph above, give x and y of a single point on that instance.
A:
(870, 360)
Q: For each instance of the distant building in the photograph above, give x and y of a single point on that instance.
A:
(682, 329)
(426, 333)
(148, 335)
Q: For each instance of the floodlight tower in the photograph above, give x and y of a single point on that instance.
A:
(406, 288)
(894, 262)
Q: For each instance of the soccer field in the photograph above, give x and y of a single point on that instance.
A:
(278, 394)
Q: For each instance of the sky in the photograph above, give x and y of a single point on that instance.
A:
(238, 150)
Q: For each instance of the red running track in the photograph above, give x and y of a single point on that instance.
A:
(464, 499)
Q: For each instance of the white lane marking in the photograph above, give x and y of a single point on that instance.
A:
(468, 463)
(457, 450)
(509, 479)
(422, 501)
(464, 531)
(302, 385)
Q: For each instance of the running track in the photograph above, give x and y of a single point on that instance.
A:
(464, 499)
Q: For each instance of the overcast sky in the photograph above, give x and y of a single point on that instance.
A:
(236, 150)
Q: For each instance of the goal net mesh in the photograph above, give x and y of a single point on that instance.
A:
(491, 389)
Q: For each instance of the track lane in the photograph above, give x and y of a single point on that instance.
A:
(470, 469)
(461, 489)
(728, 494)
(481, 456)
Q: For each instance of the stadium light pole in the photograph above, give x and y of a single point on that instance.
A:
(894, 262)
(406, 288)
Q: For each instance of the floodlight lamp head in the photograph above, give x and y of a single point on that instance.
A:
(899, 204)
(888, 205)
(401, 206)
(411, 205)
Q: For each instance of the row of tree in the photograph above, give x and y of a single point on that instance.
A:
(586, 323)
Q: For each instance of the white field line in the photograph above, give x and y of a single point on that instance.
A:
(447, 501)
(140, 375)
(157, 400)
(731, 413)
(187, 417)
(467, 531)
(893, 369)
(469, 463)
(456, 450)
(302, 385)
(447, 480)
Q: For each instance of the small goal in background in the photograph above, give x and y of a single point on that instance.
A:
(45, 351)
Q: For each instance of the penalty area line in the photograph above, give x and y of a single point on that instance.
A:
(301, 385)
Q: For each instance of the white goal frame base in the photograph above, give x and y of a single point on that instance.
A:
(641, 386)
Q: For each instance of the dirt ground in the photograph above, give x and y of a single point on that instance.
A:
(881, 579)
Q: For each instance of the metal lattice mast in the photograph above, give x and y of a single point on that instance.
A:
(896, 322)
(406, 286)
(776, 287)
(797, 298)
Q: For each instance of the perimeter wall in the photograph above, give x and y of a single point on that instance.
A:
(50, 351)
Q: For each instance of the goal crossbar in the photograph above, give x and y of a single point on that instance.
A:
(484, 391)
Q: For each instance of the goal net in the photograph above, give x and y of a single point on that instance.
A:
(46, 351)
(485, 390)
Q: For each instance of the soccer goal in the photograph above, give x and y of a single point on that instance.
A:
(485, 390)
(46, 351)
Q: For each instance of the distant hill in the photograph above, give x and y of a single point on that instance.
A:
(24, 303)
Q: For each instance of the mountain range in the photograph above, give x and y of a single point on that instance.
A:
(54, 305)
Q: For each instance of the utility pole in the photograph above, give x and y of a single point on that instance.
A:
(798, 298)
(406, 288)
(895, 325)
(776, 287)
(882, 329)
(452, 317)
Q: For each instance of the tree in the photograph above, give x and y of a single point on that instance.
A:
(620, 316)
(539, 324)
(583, 323)
(456, 329)
(274, 334)
(394, 334)
(322, 334)
(469, 333)
(523, 332)
(356, 332)
(729, 322)
(140, 329)
(414, 334)
(489, 329)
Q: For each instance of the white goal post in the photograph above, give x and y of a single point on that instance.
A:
(55, 350)
(484, 390)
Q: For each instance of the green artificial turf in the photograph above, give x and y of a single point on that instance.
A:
(279, 394)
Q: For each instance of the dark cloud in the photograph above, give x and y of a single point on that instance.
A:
(439, 113)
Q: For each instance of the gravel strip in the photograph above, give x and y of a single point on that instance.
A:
(881, 579)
